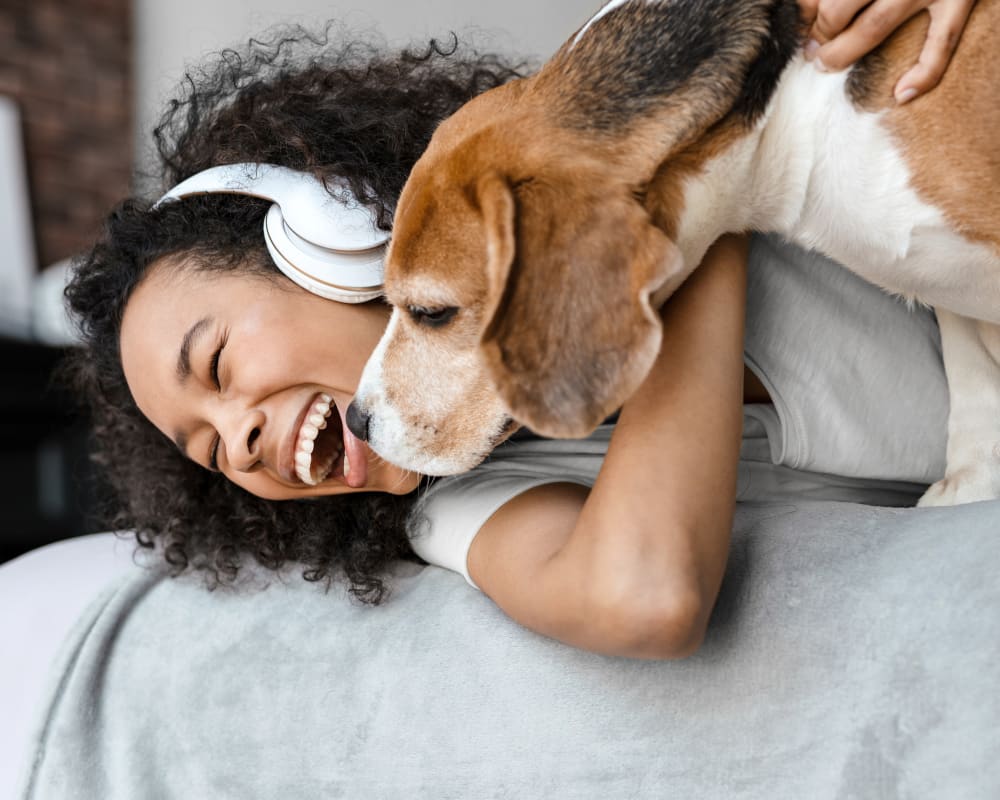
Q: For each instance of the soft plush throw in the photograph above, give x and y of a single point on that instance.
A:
(854, 653)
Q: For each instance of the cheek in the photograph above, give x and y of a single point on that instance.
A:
(357, 333)
(261, 485)
(295, 338)
(270, 352)
(256, 372)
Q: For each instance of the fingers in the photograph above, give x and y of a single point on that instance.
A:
(808, 9)
(829, 17)
(948, 18)
(842, 47)
(842, 31)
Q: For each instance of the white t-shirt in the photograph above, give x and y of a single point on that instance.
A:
(859, 414)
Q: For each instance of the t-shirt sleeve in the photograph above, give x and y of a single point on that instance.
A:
(855, 374)
(445, 522)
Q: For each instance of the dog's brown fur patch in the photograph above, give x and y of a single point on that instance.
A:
(955, 165)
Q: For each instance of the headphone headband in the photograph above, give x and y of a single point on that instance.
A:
(328, 245)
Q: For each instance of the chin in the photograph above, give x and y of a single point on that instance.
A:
(408, 453)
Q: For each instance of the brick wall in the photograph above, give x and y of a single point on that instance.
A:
(67, 63)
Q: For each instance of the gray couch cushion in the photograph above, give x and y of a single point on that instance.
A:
(853, 654)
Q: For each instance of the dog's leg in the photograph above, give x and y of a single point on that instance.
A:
(971, 350)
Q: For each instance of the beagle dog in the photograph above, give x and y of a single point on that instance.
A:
(549, 217)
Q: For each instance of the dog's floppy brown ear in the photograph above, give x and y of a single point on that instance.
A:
(496, 204)
(569, 333)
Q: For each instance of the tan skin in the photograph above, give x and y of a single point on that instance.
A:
(278, 347)
(593, 568)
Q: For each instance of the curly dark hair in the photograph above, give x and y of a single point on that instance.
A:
(350, 112)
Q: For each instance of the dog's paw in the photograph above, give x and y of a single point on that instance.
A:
(968, 484)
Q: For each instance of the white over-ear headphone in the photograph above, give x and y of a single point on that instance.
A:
(327, 246)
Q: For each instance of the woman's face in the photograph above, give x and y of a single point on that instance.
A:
(252, 377)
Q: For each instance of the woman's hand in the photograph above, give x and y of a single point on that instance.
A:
(842, 31)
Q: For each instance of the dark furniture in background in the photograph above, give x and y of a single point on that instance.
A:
(47, 485)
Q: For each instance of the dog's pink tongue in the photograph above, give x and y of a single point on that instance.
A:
(357, 456)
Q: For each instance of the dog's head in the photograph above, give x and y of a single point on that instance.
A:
(520, 294)
(524, 254)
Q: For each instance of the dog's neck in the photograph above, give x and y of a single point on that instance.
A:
(759, 178)
(646, 80)
(785, 175)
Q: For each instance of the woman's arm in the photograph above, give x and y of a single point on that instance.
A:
(634, 566)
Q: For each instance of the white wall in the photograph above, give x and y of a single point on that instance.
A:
(172, 33)
(17, 267)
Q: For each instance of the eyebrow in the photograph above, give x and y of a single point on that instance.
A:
(183, 369)
(187, 343)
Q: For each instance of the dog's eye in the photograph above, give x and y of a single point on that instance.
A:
(432, 317)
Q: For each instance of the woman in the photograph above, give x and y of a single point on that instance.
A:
(189, 327)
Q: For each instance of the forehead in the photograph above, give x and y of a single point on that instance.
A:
(161, 309)
(159, 304)
(173, 290)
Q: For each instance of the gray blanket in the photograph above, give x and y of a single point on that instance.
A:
(853, 654)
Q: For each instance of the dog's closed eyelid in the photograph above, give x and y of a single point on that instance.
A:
(432, 317)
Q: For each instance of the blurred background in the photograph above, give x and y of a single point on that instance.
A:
(82, 83)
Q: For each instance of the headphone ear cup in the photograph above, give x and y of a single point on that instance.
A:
(334, 249)
(335, 275)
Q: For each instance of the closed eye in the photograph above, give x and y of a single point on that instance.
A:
(214, 366)
(213, 456)
(213, 369)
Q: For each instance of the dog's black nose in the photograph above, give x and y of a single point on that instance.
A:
(357, 421)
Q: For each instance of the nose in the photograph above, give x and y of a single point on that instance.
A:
(357, 421)
(243, 444)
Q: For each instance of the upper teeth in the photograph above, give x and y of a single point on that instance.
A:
(314, 422)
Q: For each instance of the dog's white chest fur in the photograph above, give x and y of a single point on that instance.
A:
(829, 177)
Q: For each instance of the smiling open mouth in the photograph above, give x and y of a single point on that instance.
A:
(320, 443)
